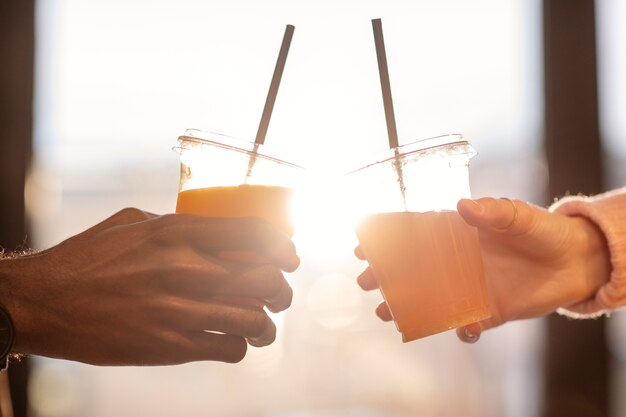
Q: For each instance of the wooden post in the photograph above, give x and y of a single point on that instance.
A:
(576, 367)
(16, 118)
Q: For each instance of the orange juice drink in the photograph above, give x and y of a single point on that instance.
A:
(429, 269)
(270, 203)
(426, 259)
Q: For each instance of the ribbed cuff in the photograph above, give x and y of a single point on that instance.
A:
(608, 212)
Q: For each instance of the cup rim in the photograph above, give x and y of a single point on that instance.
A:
(220, 140)
(418, 146)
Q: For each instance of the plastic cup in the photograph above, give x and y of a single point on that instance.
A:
(221, 176)
(426, 259)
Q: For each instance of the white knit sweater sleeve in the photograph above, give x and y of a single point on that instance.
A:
(608, 212)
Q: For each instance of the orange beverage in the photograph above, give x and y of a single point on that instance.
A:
(270, 203)
(429, 269)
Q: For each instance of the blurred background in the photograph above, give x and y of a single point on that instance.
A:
(95, 93)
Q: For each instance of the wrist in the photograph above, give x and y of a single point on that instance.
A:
(606, 212)
(13, 297)
(7, 328)
(595, 258)
(8, 270)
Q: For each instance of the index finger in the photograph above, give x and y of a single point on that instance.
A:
(240, 233)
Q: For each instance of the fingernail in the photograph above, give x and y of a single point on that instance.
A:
(476, 206)
(469, 336)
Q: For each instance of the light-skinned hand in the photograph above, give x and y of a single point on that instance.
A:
(543, 261)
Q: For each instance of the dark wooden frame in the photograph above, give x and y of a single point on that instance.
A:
(576, 361)
(17, 51)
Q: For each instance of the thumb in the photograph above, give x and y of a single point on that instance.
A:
(500, 215)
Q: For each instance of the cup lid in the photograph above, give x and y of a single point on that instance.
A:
(453, 144)
(195, 138)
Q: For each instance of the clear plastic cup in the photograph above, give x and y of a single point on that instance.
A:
(221, 176)
(426, 259)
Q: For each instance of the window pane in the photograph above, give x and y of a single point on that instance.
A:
(612, 86)
(610, 15)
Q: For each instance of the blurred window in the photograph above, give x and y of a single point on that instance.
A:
(610, 15)
(118, 81)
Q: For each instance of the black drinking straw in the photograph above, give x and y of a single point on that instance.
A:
(385, 85)
(273, 91)
(271, 96)
(383, 71)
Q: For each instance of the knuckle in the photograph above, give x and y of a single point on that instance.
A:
(522, 207)
(168, 309)
(162, 229)
(257, 227)
(489, 202)
(132, 214)
(260, 323)
(271, 282)
(168, 220)
(528, 218)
